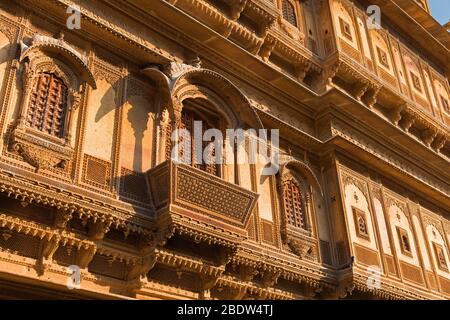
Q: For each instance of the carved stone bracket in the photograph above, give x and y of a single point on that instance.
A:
(236, 8)
(345, 290)
(85, 255)
(98, 229)
(439, 142)
(49, 247)
(304, 249)
(302, 70)
(266, 49)
(247, 272)
(396, 113)
(270, 278)
(146, 262)
(370, 98)
(359, 89)
(428, 135)
(63, 216)
(407, 121)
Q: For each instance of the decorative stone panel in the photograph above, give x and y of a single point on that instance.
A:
(187, 196)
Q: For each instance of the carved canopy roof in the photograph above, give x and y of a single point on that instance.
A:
(58, 48)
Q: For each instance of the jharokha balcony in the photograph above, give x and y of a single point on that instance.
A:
(200, 205)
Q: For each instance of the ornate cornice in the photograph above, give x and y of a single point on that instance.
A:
(31, 192)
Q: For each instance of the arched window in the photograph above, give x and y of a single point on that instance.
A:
(187, 145)
(47, 105)
(293, 204)
(288, 11)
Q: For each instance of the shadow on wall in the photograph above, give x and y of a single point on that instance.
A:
(131, 184)
(136, 115)
(5, 50)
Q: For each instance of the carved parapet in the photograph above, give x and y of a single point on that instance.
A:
(290, 30)
(199, 205)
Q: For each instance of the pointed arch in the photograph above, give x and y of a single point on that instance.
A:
(303, 169)
(193, 83)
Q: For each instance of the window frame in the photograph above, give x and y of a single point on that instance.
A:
(62, 134)
(403, 232)
(303, 214)
(195, 115)
(358, 213)
(438, 247)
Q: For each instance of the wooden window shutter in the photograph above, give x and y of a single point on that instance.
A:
(288, 11)
(48, 105)
(293, 207)
(187, 145)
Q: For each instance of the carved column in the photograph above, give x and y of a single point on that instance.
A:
(74, 103)
(28, 76)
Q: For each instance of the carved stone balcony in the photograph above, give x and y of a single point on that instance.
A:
(349, 74)
(200, 205)
(244, 22)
